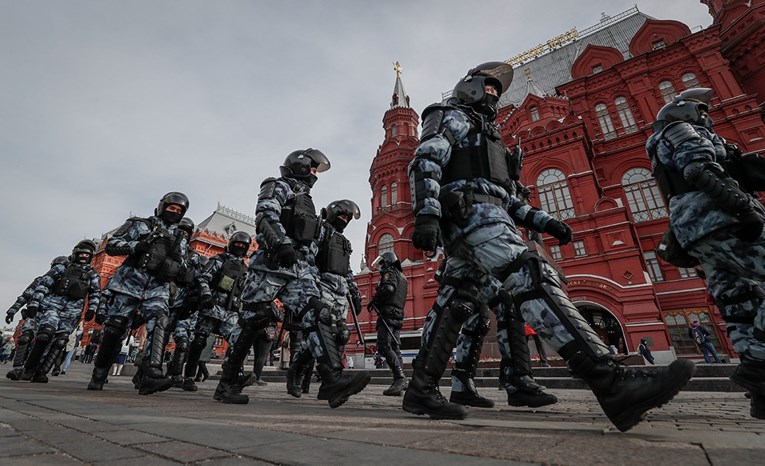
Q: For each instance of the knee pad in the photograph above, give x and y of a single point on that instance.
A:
(182, 344)
(60, 342)
(45, 334)
(200, 341)
(25, 338)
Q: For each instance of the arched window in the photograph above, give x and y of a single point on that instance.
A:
(667, 91)
(690, 81)
(625, 115)
(554, 194)
(385, 244)
(606, 125)
(534, 113)
(394, 194)
(643, 195)
(384, 197)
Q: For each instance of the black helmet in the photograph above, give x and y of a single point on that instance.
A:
(59, 260)
(470, 90)
(299, 163)
(172, 198)
(692, 106)
(333, 212)
(239, 237)
(387, 260)
(187, 225)
(84, 247)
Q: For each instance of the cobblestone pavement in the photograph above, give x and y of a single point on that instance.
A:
(61, 423)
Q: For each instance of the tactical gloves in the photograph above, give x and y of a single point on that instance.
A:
(559, 230)
(89, 315)
(356, 300)
(427, 232)
(142, 246)
(9, 316)
(751, 224)
(286, 255)
(101, 318)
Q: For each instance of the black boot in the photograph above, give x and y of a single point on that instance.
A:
(626, 394)
(469, 396)
(111, 342)
(189, 385)
(22, 350)
(137, 377)
(297, 371)
(750, 374)
(98, 378)
(525, 391)
(55, 350)
(398, 387)
(154, 379)
(307, 376)
(423, 397)
(336, 387)
(228, 390)
(39, 345)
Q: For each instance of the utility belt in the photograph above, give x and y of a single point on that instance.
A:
(457, 206)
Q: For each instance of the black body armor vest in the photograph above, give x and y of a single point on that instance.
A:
(73, 283)
(335, 255)
(230, 277)
(159, 260)
(398, 298)
(299, 219)
(484, 157)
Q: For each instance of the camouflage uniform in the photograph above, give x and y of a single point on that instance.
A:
(462, 190)
(222, 318)
(135, 289)
(711, 219)
(28, 329)
(60, 307)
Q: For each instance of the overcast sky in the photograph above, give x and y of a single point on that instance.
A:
(107, 105)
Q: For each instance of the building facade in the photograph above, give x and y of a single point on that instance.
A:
(581, 107)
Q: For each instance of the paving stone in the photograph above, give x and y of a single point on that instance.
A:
(734, 456)
(182, 451)
(130, 437)
(18, 445)
(83, 446)
(55, 459)
(148, 460)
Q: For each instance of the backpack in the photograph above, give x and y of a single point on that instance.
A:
(698, 336)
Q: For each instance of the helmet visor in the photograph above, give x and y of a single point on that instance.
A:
(500, 71)
(320, 161)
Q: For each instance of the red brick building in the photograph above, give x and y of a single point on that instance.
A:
(581, 106)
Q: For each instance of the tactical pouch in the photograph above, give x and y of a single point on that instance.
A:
(168, 270)
(155, 257)
(226, 283)
(305, 228)
(456, 207)
(670, 250)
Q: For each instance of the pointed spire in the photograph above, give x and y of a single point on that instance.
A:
(400, 99)
(531, 86)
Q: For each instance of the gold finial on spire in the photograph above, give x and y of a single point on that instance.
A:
(397, 69)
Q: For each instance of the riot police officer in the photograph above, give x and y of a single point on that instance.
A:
(219, 305)
(60, 297)
(283, 268)
(389, 301)
(185, 291)
(463, 195)
(714, 220)
(30, 325)
(337, 286)
(155, 257)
